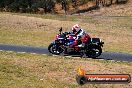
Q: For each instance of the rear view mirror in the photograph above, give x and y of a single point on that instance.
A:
(60, 30)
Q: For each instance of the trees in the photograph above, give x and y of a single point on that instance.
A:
(47, 5)
(24, 5)
(121, 1)
(1, 3)
(64, 5)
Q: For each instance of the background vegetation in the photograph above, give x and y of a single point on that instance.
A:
(42, 5)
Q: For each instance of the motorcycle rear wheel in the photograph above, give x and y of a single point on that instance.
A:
(94, 52)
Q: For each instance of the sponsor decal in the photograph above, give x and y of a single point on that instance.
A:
(83, 78)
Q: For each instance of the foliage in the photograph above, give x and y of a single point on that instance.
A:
(46, 5)
(27, 5)
(34, 5)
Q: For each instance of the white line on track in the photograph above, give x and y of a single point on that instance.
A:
(44, 54)
(64, 56)
(21, 52)
(33, 53)
(9, 51)
(1, 50)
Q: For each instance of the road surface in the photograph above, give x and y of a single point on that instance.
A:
(42, 50)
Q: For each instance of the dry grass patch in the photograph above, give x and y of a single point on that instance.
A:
(39, 71)
(34, 31)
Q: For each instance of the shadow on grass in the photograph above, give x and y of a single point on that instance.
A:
(87, 10)
(121, 2)
(75, 54)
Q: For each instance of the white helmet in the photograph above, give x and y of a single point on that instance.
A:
(75, 28)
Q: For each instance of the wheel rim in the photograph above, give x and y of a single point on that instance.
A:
(94, 52)
(56, 50)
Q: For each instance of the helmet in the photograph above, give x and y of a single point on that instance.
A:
(75, 28)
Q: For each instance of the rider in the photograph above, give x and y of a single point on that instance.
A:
(79, 33)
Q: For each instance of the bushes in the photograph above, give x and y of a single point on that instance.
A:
(37, 5)
(1, 3)
(30, 5)
(13, 7)
(27, 5)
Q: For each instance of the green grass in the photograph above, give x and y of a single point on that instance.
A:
(42, 71)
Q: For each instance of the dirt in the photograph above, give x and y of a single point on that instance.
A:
(114, 10)
(89, 9)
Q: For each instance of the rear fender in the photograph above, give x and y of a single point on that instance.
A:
(100, 44)
(97, 41)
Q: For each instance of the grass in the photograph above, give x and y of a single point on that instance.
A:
(40, 30)
(50, 16)
(41, 71)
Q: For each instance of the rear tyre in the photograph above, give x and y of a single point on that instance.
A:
(54, 49)
(94, 51)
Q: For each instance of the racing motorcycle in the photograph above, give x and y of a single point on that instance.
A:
(91, 47)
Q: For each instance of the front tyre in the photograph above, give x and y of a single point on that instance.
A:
(94, 51)
(54, 49)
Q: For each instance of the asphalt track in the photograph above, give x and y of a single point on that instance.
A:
(42, 50)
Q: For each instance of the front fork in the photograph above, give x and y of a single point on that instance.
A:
(60, 45)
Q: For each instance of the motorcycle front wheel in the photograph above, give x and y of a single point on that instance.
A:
(54, 49)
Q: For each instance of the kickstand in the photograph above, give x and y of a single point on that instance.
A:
(82, 54)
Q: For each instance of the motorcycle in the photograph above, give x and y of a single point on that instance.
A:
(91, 47)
